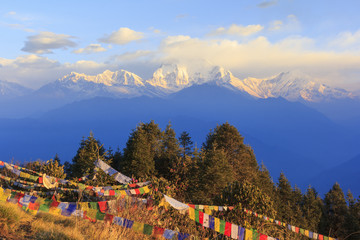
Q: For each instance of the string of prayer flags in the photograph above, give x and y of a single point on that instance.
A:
(223, 227)
(292, 228)
(112, 172)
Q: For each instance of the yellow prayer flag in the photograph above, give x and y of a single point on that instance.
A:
(306, 233)
(192, 213)
(138, 227)
(207, 210)
(248, 234)
(216, 208)
(123, 193)
(217, 224)
(146, 189)
(54, 210)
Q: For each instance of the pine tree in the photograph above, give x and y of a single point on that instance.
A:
(333, 221)
(83, 163)
(265, 182)
(216, 174)
(285, 201)
(186, 144)
(53, 168)
(170, 153)
(312, 209)
(353, 217)
(240, 156)
(142, 149)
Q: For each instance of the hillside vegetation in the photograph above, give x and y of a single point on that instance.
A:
(221, 179)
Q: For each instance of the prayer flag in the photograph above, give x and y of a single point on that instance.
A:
(100, 215)
(211, 222)
(248, 234)
(227, 231)
(168, 234)
(148, 229)
(206, 220)
(241, 233)
(222, 226)
(217, 224)
(192, 213)
(138, 227)
(234, 231)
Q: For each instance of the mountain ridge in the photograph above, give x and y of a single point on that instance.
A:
(171, 78)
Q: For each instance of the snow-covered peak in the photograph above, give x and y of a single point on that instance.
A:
(293, 86)
(170, 76)
(107, 78)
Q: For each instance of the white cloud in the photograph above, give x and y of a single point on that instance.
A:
(34, 71)
(347, 40)
(122, 36)
(92, 48)
(290, 24)
(44, 42)
(261, 58)
(237, 30)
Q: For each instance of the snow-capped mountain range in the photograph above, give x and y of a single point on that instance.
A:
(170, 78)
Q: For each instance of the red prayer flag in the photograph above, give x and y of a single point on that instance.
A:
(102, 206)
(137, 191)
(133, 185)
(321, 237)
(34, 206)
(158, 231)
(201, 217)
(227, 229)
(40, 180)
(1, 163)
(296, 229)
(191, 205)
(111, 192)
(263, 237)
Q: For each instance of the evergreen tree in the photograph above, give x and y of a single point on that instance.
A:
(53, 168)
(285, 200)
(265, 182)
(142, 149)
(215, 175)
(353, 218)
(83, 163)
(186, 144)
(170, 153)
(333, 222)
(312, 209)
(240, 156)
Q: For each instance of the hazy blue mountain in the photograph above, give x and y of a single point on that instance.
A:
(346, 174)
(286, 136)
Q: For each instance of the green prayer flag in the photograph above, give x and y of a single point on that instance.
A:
(255, 235)
(326, 238)
(81, 186)
(148, 229)
(44, 208)
(197, 216)
(93, 205)
(222, 226)
(141, 190)
(100, 215)
(302, 231)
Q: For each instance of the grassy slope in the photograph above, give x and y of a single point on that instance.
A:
(17, 224)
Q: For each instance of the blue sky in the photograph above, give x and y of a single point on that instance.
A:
(44, 40)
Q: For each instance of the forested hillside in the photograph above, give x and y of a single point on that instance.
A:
(222, 173)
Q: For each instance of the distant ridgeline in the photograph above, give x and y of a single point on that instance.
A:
(227, 193)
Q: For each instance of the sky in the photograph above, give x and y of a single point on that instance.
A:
(42, 41)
